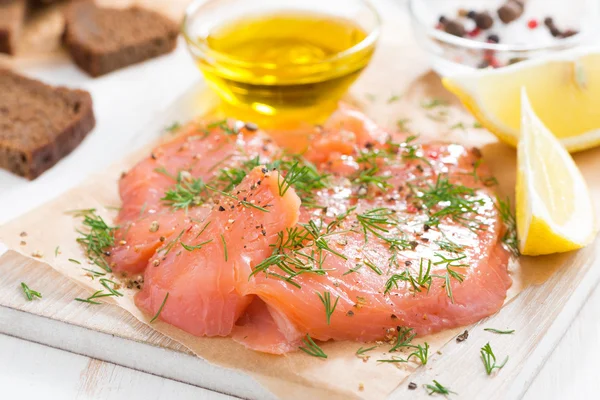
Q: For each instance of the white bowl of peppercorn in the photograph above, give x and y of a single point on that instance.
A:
(462, 35)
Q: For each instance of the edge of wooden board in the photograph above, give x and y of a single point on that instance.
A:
(130, 353)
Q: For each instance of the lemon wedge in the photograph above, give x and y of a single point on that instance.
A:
(554, 208)
(564, 89)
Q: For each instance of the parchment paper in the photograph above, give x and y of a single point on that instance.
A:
(398, 69)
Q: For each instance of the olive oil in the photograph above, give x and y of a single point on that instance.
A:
(285, 65)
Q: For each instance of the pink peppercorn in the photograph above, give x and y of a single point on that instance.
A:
(475, 32)
(532, 24)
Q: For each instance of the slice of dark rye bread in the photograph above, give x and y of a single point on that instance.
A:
(39, 124)
(12, 16)
(101, 40)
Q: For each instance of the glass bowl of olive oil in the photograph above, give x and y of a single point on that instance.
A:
(281, 60)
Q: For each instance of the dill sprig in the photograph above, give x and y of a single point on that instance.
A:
(403, 339)
(244, 203)
(300, 250)
(233, 176)
(489, 359)
(510, 238)
(500, 332)
(224, 126)
(433, 103)
(303, 176)
(113, 291)
(448, 245)
(312, 348)
(361, 351)
(162, 305)
(379, 221)
(326, 300)
(421, 352)
(422, 281)
(196, 246)
(376, 221)
(450, 272)
(30, 293)
(411, 151)
(173, 127)
(97, 295)
(187, 192)
(224, 247)
(438, 388)
(394, 359)
(454, 201)
(97, 239)
(169, 246)
(402, 124)
(370, 177)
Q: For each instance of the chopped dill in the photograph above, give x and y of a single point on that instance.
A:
(97, 295)
(74, 261)
(299, 250)
(162, 305)
(438, 388)
(393, 99)
(326, 300)
(510, 238)
(433, 103)
(187, 192)
(489, 359)
(97, 239)
(507, 332)
(454, 201)
(113, 291)
(30, 293)
(196, 246)
(402, 124)
(419, 282)
(173, 127)
(459, 125)
(312, 348)
(224, 247)
(361, 351)
(403, 339)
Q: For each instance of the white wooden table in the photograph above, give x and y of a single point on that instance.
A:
(29, 369)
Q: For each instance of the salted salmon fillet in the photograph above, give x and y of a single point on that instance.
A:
(145, 220)
(199, 267)
(366, 232)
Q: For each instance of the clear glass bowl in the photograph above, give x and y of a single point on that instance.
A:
(262, 90)
(452, 54)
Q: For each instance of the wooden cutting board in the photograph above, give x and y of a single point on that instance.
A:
(539, 314)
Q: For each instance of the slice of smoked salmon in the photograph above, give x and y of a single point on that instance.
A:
(198, 268)
(262, 328)
(200, 152)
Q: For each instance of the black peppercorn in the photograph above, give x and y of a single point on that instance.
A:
(443, 19)
(510, 11)
(454, 28)
(412, 386)
(484, 20)
(493, 38)
(471, 14)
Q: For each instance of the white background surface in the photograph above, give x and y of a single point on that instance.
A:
(29, 370)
